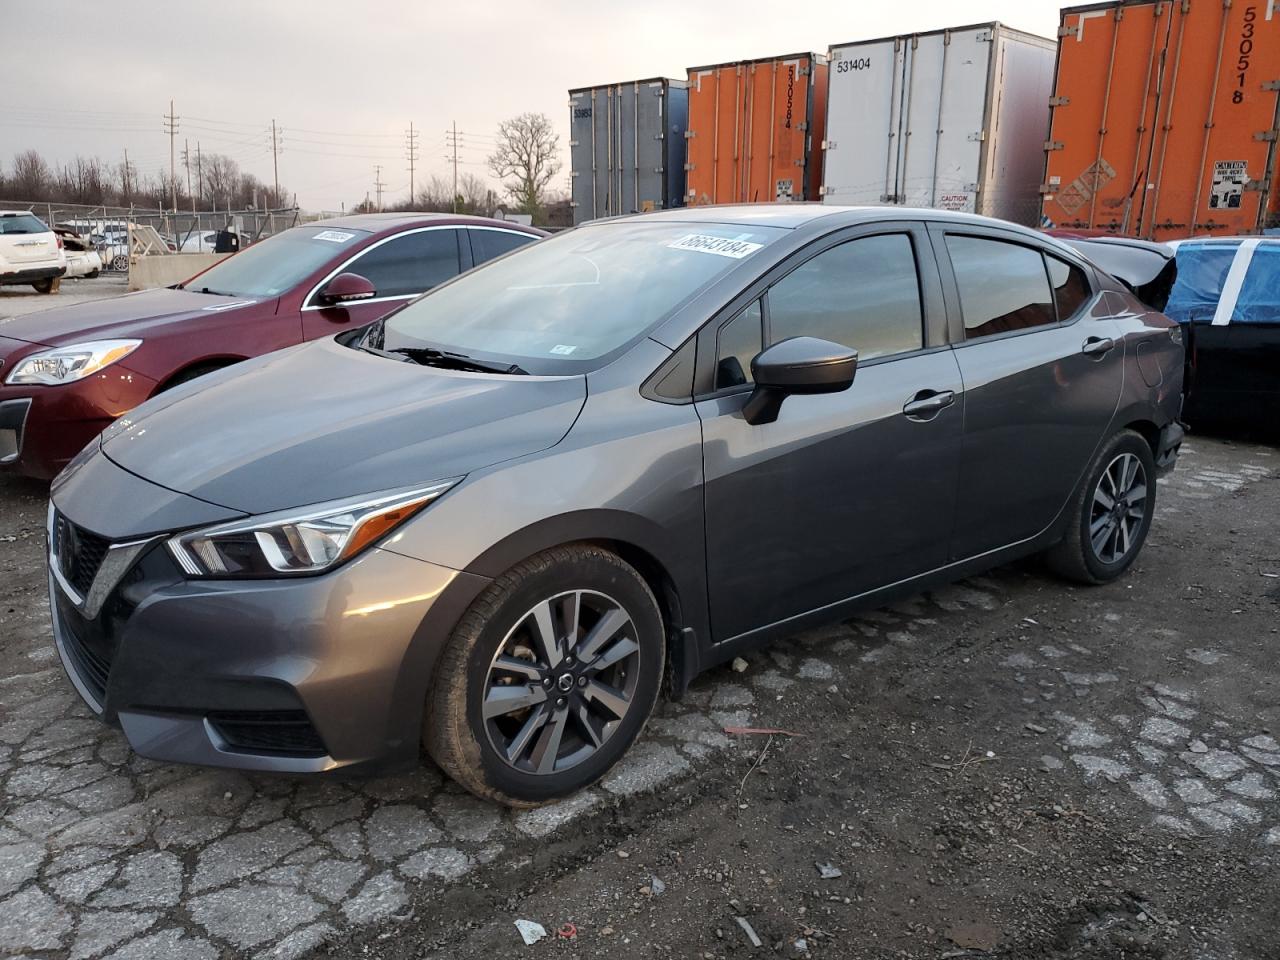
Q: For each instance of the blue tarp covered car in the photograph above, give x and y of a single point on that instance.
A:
(1227, 297)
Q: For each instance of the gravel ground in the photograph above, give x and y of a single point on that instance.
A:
(1007, 766)
(17, 301)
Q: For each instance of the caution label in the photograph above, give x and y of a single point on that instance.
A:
(1229, 180)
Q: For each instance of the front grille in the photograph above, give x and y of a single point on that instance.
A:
(280, 732)
(79, 552)
(92, 666)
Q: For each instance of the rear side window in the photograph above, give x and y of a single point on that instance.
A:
(1070, 287)
(1259, 300)
(487, 244)
(1202, 272)
(864, 294)
(410, 263)
(21, 223)
(737, 344)
(1003, 286)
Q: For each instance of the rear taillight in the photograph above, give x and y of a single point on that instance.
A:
(59, 239)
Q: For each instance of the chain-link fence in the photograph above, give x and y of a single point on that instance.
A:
(107, 228)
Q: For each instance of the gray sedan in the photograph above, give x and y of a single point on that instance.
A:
(495, 522)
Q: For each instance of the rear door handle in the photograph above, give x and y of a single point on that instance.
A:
(926, 404)
(1098, 346)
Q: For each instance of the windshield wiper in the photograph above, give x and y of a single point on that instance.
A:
(453, 361)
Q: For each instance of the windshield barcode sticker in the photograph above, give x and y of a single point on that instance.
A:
(720, 246)
(334, 236)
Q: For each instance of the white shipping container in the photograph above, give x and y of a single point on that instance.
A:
(953, 119)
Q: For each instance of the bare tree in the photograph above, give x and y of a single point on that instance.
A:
(526, 159)
(31, 178)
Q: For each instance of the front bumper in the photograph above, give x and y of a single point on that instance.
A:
(186, 667)
(58, 422)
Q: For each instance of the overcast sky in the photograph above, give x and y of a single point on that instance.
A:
(344, 79)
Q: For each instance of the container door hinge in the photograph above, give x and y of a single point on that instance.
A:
(985, 36)
(803, 72)
(1271, 84)
(573, 203)
(971, 188)
(826, 191)
(659, 169)
(1256, 186)
(688, 166)
(688, 134)
(978, 137)
(1054, 145)
(1059, 101)
(573, 143)
(803, 125)
(659, 136)
(1069, 31)
(827, 145)
(1269, 136)
(1048, 188)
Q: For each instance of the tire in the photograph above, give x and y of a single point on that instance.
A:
(92, 275)
(51, 285)
(120, 263)
(503, 620)
(1121, 528)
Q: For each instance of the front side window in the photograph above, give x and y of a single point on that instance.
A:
(488, 244)
(1003, 286)
(407, 265)
(562, 304)
(863, 293)
(737, 344)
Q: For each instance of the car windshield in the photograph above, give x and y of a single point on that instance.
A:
(274, 265)
(11, 223)
(563, 304)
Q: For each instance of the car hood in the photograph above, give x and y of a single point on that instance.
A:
(130, 315)
(322, 421)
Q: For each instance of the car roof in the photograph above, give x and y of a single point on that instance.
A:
(1228, 241)
(377, 222)
(18, 213)
(793, 216)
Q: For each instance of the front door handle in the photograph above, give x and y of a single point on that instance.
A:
(927, 404)
(1098, 346)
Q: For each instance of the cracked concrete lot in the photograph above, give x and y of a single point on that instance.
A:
(1127, 709)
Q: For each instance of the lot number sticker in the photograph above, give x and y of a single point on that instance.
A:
(334, 236)
(720, 246)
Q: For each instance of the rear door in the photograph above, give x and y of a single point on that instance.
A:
(844, 492)
(1042, 364)
(400, 268)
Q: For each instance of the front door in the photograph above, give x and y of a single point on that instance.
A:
(844, 492)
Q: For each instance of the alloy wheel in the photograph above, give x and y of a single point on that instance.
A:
(561, 682)
(1119, 509)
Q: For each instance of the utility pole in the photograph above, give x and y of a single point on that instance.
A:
(199, 174)
(186, 162)
(378, 185)
(126, 176)
(412, 143)
(171, 128)
(275, 166)
(451, 139)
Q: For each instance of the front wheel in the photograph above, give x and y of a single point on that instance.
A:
(548, 678)
(1111, 514)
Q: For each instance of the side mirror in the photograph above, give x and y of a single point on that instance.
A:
(346, 288)
(797, 365)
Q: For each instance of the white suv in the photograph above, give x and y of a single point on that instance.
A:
(29, 251)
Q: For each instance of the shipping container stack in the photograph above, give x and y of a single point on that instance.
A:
(1165, 119)
(755, 130)
(626, 147)
(952, 119)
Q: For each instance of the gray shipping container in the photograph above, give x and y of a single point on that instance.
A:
(626, 147)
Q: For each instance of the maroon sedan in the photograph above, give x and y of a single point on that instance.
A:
(65, 374)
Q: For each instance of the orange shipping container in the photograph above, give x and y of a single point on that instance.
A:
(1165, 119)
(755, 130)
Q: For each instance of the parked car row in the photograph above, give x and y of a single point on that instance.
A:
(1141, 118)
(491, 519)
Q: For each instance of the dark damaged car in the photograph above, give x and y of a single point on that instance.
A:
(493, 522)
(66, 373)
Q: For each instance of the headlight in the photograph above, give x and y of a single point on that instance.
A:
(67, 364)
(300, 541)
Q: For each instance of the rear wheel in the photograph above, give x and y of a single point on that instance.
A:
(51, 285)
(548, 678)
(1111, 514)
